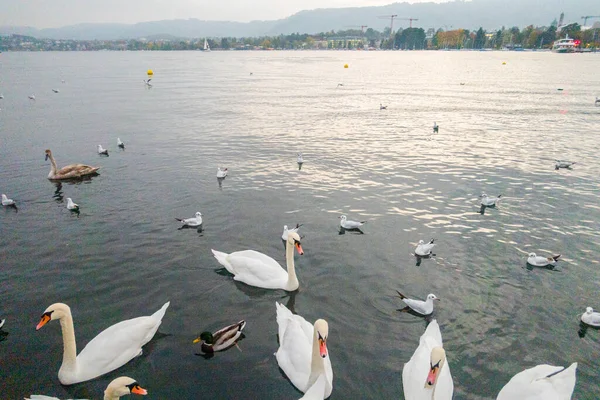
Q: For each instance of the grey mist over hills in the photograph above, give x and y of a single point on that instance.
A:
(490, 14)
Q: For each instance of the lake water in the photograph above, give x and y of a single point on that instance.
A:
(124, 256)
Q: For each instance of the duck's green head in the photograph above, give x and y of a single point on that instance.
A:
(207, 337)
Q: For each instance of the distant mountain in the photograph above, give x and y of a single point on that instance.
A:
(490, 14)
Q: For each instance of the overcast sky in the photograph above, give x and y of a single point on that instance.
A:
(57, 13)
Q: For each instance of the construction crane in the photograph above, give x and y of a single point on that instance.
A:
(391, 17)
(409, 19)
(362, 27)
(587, 17)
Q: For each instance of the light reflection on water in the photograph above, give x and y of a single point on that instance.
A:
(499, 134)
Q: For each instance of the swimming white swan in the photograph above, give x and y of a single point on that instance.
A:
(120, 144)
(6, 201)
(121, 386)
(195, 221)
(347, 224)
(424, 249)
(539, 261)
(109, 350)
(221, 173)
(260, 270)
(541, 382)
(70, 171)
(286, 231)
(426, 376)
(303, 355)
(489, 201)
(72, 206)
(420, 306)
(588, 317)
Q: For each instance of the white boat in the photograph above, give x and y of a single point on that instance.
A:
(566, 45)
(206, 46)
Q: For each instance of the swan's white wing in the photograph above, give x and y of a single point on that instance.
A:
(294, 353)
(41, 397)
(255, 255)
(537, 384)
(117, 345)
(255, 271)
(416, 369)
(317, 390)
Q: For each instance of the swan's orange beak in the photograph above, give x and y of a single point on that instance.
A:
(322, 347)
(299, 248)
(432, 376)
(139, 390)
(43, 321)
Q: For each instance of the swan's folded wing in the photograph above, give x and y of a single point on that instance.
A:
(115, 346)
(255, 272)
(256, 256)
(294, 354)
(316, 391)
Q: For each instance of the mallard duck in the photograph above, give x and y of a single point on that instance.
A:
(72, 171)
(221, 339)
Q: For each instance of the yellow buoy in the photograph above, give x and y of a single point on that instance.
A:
(504, 63)
(345, 65)
(150, 72)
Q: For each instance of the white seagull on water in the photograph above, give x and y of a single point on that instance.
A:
(7, 202)
(539, 261)
(195, 221)
(347, 224)
(221, 173)
(102, 150)
(419, 306)
(286, 231)
(563, 164)
(31, 96)
(424, 249)
(120, 144)
(489, 201)
(590, 317)
(72, 206)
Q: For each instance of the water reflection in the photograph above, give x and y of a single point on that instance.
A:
(220, 182)
(531, 267)
(421, 258)
(12, 207)
(353, 230)
(199, 228)
(58, 194)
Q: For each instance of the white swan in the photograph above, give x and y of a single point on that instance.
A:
(120, 144)
(424, 249)
(112, 348)
(121, 386)
(302, 353)
(316, 391)
(426, 376)
(6, 201)
(347, 224)
(72, 206)
(286, 231)
(489, 201)
(541, 382)
(195, 221)
(258, 269)
(221, 173)
(420, 306)
(72, 171)
(588, 317)
(539, 261)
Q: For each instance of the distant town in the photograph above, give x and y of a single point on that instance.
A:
(357, 38)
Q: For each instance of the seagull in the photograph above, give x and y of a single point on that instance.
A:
(286, 231)
(32, 96)
(539, 261)
(72, 206)
(300, 159)
(196, 221)
(563, 164)
(435, 127)
(489, 201)
(120, 144)
(588, 317)
(382, 107)
(419, 306)
(344, 223)
(7, 202)
(339, 84)
(1, 96)
(55, 90)
(63, 81)
(147, 82)
(251, 73)
(102, 151)
(221, 173)
(424, 249)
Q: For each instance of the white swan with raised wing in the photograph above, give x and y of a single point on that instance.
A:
(302, 353)
(111, 349)
(260, 270)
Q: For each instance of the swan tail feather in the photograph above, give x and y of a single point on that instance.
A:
(222, 259)
(161, 313)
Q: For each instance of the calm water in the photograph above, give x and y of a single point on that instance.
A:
(124, 256)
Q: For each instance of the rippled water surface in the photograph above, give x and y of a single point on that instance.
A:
(501, 128)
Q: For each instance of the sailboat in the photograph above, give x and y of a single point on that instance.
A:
(206, 46)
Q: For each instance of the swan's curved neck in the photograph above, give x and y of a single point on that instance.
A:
(109, 395)
(70, 347)
(317, 366)
(53, 167)
(292, 283)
